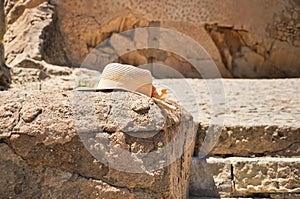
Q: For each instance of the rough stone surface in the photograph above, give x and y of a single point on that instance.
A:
(63, 146)
(64, 33)
(267, 175)
(248, 55)
(285, 196)
(140, 47)
(270, 21)
(256, 140)
(21, 180)
(242, 177)
(28, 71)
(40, 39)
(259, 120)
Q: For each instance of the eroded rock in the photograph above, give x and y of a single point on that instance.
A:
(266, 175)
(239, 47)
(250, 55)
(20, 180)
(255, 140)
(40, 39)
(99, 136)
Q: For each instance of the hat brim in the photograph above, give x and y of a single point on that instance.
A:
(88, 89)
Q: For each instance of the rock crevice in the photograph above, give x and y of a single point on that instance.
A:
(5, 76)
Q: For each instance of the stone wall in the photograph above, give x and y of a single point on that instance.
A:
(244, 38)
(258, 52)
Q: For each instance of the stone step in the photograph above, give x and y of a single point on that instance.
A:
(241, 177)
(239, 117)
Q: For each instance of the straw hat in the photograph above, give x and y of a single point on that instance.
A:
(129, 78)
(124, 77)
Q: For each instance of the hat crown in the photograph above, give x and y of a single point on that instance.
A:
(126, 77)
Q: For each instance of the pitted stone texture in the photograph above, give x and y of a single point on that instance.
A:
(245, 177)
(41, 127)
(30, 44)
(143, 46)
(20, 180)
(258, 117)
(196, 13)
(266, 175)
(256, 140)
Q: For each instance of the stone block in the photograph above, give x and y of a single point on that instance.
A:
(266, 175)
(245, 177)
(255, 140)
(95, 143)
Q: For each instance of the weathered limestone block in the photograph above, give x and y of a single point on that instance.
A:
(105, 136)
(20, 180)
(245, 177)
(266, 46)
(255, 140)
(266, 175)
